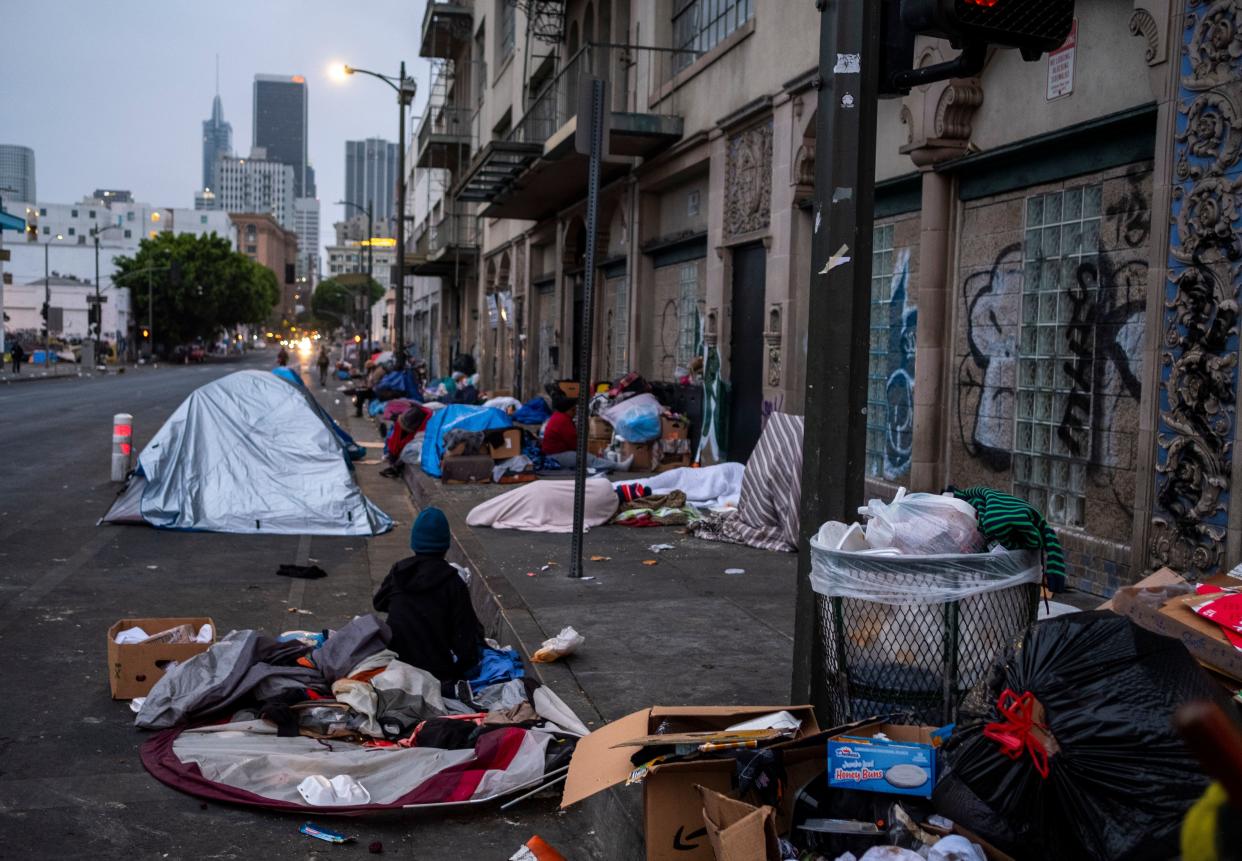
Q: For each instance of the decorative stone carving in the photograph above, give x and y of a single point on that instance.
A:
(803, 172)
(748, 180)
(1199, 362)
(938, 116)
(773, 338)
(1143, 24)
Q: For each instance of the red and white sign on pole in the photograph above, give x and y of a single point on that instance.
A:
(122, 445)
(1061, 66)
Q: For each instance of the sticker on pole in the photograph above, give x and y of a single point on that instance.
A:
(1061, 66)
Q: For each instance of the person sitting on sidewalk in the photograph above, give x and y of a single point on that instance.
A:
(434, 626)
(560, 439)
(404, 429)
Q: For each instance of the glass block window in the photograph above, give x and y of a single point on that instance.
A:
(621, 328)
(1053, 422)
(687, 312)
(877, 365)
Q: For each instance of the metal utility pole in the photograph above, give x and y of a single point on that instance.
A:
(47, 308)
(834, 441)
(592, 107)
(405, 89)
(398, 348)
(366, 324)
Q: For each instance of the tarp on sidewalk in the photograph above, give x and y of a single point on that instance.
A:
(248, 453)
(457, 417)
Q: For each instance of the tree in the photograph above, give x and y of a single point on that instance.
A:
(334, 301)
(200, 286)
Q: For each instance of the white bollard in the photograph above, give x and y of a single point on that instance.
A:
(122, 445)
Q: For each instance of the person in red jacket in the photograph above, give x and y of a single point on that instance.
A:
(560, 439)
(404, 429)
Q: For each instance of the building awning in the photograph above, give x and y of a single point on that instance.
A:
(9, 221)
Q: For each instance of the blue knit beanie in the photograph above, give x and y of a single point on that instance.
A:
(430, 534)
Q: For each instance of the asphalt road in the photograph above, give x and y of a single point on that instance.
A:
(71, 781)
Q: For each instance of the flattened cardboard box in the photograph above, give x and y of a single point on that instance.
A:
(672, 807)
(134, 668)
(506, 443)
(1175, 618)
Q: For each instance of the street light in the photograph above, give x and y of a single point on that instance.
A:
(404, 87)
(370, 262)
(95, 231)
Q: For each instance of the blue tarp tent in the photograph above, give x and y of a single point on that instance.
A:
(457, 417)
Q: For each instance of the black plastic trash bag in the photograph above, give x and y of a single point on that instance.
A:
(1119, 778)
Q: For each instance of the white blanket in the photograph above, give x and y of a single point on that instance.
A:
(545, 506)
(706, 487)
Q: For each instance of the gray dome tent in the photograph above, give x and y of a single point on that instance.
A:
(248, 453)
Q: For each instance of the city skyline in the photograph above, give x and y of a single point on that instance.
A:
(146, 136)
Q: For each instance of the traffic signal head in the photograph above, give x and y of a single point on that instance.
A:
(146, 333)
(1034, 27)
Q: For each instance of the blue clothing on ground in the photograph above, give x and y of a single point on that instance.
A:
(534, 412)
(498, 665)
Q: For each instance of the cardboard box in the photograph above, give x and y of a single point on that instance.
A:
(134, 668)
(1176, 618)
(674, 428)
(739, 831)
(904, 764)
(466, 468)
(597, 445)
(672, 807)
(569, 388)
(599, 427)
(674, 462)
(506, 443)
(641, 453)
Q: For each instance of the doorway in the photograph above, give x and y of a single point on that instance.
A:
(746, 350)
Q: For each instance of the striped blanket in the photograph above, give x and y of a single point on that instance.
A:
(767, 513)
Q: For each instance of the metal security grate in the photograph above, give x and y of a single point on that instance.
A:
(1049, 18)
(918, 661)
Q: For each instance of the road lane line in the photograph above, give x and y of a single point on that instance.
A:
(297, 589)
(60, 572)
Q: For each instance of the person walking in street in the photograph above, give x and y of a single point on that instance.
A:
(434, 626)
(17, 354)
(323, 363)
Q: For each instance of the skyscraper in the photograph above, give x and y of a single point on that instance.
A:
(371, 179)
(280, 117)
(17, 173)
(255, 184)
(217, 141)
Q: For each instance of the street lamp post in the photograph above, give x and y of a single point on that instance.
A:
(95, 231)
(404, 88)
(370, 261)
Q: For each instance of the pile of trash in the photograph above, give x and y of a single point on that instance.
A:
(335, 722)
(1076, 744)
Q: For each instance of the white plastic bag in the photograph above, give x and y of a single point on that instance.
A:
(341, 790)
(564, 643)
(923, 524)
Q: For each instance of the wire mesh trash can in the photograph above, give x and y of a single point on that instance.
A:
(910, 635)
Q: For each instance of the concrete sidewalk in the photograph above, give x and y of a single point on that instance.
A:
(680, 632)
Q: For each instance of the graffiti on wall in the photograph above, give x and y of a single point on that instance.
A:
(987, 373)
(903, 322)
(1098, 349)
(1199, 368)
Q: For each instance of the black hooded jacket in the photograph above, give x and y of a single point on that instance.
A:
(433, 623)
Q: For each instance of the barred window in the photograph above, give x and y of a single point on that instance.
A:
(621, 328)
(699, 25)
(687, 312)
(1054, 423)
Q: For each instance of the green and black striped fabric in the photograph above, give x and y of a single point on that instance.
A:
(1017, 526)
